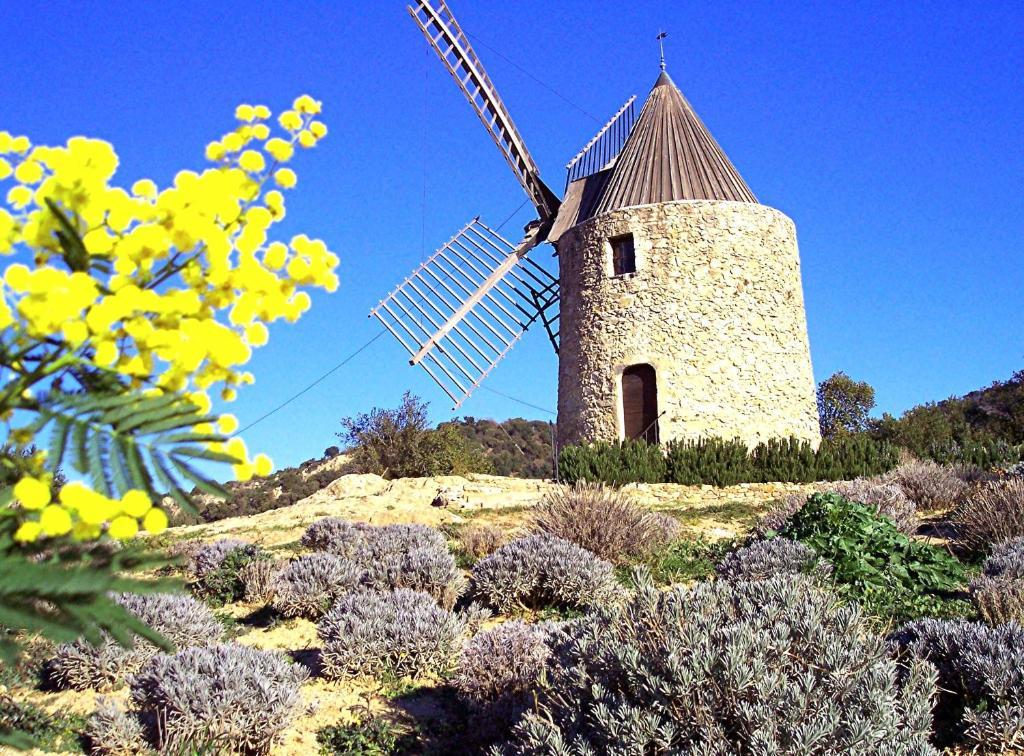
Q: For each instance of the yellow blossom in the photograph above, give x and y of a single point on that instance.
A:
(318, 129)
(29, 172)
(252, 161)
(257, 334)
(155, 521)
(263, 465)
(285, 178)
(215, 151)
(262, 112)
(261, 131)
(290, 120)
(279, 149)
(306, 104)
(306, 139)
(144, 188)
(28, 531)
(19, 196)
(135, 503)
(123, 527)
(55, 520)
(227, 424)
(106, 354)
(32, 493)
(245, 113)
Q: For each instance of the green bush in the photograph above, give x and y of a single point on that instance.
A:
(398, 443)
(714, 461)
(890, 574)
(616, 463)
(707, 461)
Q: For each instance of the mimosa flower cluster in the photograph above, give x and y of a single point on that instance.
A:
(168, 290)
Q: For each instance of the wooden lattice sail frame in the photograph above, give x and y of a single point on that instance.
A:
(461, 311)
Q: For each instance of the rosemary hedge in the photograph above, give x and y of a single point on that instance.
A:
(720, 462)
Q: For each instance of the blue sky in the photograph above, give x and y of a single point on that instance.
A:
(890, 132)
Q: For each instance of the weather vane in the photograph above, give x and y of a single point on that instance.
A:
(661, 44)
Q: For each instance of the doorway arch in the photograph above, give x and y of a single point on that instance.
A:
(640, 403)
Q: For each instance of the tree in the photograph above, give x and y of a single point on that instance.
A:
(844, 405)
(399, 443)
(121, 309)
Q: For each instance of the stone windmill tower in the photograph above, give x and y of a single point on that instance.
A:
(679, 300)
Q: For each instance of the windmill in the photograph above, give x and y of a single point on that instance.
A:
(678, 308)
(463, 309)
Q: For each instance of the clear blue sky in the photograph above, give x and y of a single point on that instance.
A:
(890, 132)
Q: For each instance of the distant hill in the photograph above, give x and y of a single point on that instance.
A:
(994, 413)
(516, 448)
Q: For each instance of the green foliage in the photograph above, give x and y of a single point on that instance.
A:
(224, 584)
(375, 736)
(843, 406)
(714, 461)
(852, 457)
(711, 461)
(123, 439)
(891, 575)
(516, 447)
(398, 443)
(24, 726)
(64, 593)
(984, 427)
(789, 460)
(684, 561)
(616, 463)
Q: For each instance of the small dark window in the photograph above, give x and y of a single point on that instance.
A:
(640, 403)
(623, 255)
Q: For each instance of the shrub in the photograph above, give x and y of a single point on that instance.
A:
(375, 736)
(885, 499)
(790, 460)
(337, 536)
(928, 485)
(478, 541)
(857, 456)
(707, 461)
(616, 463)
(498, 669)
(602, 520)
(257, 578)
(228, 697)
(398, 443)
(998, 593)
(981, 679)
(414, 557)
(763, 560)
(992, 513)
(717, 462)
(400, 632)
(112, 731)
(182, 620)
(308, 586)
(544, 570)
(890, 574)
(393, 556)
(724, 667)
(208, 557)
(216, 568)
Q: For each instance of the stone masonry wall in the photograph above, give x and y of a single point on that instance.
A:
(715, 306)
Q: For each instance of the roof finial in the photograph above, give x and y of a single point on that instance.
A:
(661, 44)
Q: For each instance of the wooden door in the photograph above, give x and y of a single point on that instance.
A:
(640, 403)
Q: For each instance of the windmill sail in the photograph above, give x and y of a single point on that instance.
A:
(461, 311)
(606, 145)
(452, 46)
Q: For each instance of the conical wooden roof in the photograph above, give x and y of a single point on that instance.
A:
(670, 155)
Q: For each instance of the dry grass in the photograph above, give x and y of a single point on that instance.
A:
(992, 513)
(603, 520)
